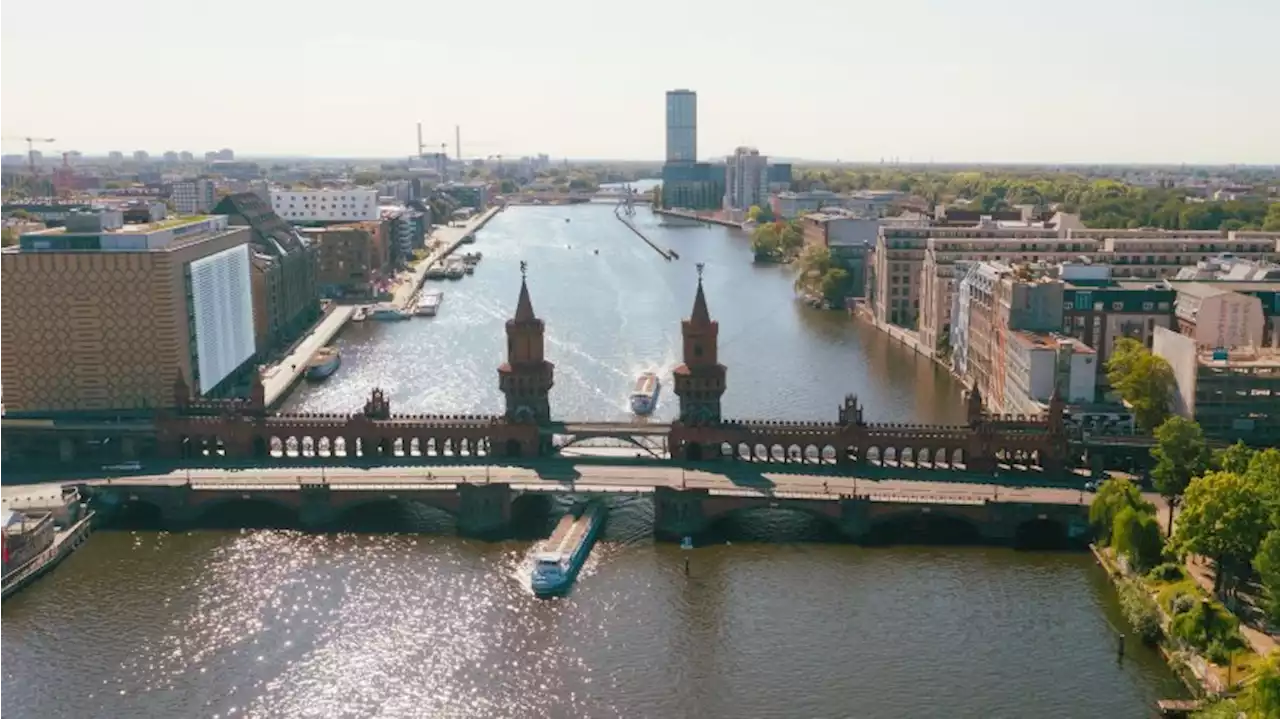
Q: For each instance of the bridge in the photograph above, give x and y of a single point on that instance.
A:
(564, 198)
(482, 498)
(198, 430)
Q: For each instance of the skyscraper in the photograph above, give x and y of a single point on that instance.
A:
(682, 126)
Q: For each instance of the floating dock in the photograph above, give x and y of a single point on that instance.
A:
(556, 567)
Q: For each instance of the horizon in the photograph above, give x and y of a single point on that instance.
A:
(922, 82)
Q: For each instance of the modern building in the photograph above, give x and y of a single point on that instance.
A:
(234, 170)
(746, 179)
(102, 318)
(867, 203)
(352, 258)
(851, 241)
(193, 196)
(779, 177)
(1215, 317)
(682, 126)
(286, 299)
(347, 205)
(467, 194)
(170, 157)
(693, 185)
(407, 229)
(1041, 363)
(141, 156)
(1233, 393)
(186, 156)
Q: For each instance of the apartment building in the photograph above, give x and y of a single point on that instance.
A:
(1233, 393)
(328, 205)
(352, 258)
(746, 179)
(1215, 317)
(1040, 363)
(193, 197)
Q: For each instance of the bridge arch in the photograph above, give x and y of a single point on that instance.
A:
(924, 525)
(627, 439)
(385, 513)
(252, 512)
(1041, 533)
(770, 521)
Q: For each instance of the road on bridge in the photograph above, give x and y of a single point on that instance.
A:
(589, 477)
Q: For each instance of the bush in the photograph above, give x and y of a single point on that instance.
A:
(1141, 612)
(1168, 572)
(1136, 534)
(1204, 624)
(1182, 603)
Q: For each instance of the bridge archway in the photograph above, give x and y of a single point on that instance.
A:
(650, 448)
(385, 514)
(250, 513)
(784, 522)
(917, 526)
(693, 452)
(1041, 533)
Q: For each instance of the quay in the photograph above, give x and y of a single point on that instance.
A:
(687, 502)
(666, 254)
(279, 378)
(698, 218)
(447, 239)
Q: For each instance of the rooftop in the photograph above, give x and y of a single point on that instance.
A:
(135, 229)
(1050, 341)
(1242, 357)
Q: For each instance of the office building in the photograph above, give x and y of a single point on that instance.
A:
(693, 186)
(353, 259)
(1233, 393)
(170, 157)
(474, 195)
(286, 299)
(102, 318)
(682, 126)
(141, 156)
(193, 196)
(346, 205)
(746, 179)
(850, 239)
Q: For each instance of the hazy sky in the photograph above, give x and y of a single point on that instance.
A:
(920, 80)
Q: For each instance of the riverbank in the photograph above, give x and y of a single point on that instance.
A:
(1152, 599)
(446, 239)
(699, 217)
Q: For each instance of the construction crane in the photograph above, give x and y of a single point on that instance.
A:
(31, 148)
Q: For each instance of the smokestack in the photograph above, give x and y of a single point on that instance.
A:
(457, 141)
(419, 139)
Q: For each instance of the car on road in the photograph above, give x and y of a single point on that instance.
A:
(1092, 485)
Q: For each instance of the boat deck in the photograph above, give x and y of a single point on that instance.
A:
(570, 530)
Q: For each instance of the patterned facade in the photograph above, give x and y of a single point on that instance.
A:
(98, 332)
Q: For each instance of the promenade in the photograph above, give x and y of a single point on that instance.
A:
(446, 239)
(278, 378)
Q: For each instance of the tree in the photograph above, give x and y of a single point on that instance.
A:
(1180, 454)
(1272, 221)
(1234, 458)
(366, 178)
(1136, 535)
(509, 187)
(765, 242)
(791, 237)
(8, 236)
(1267, 562)
(1262, 696)
(1223, 517)
(1143, 380)
(1114, 496)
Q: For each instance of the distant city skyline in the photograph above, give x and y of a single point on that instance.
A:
(993, 81)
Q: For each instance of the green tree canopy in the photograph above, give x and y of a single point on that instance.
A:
(766, 243)
(1114, 496)
(1235, 458)
(1267, 562)
(1224, 517)
(1180, 454)
(1136, 535)
(1143, 380)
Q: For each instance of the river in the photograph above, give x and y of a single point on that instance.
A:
(425, 624)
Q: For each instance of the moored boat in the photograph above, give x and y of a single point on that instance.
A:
(455, 270)
(436, 273)
(644, 398)
(388, 313)
(360, 314)
(555, 569)
(429, 303)
(323, 363)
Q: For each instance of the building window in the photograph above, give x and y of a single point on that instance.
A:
(1099, 307)
(1148, 306)
(1164, 306)
(1117, 306)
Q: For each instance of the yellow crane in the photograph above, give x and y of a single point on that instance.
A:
(31, 148)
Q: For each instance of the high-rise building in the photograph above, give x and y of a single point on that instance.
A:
(746, 179)
(141, 156)
(682, 126)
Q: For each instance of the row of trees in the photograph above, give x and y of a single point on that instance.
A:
(817, 274)
(1101, 202)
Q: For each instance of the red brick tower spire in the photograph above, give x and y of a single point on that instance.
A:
(700, 380)
(526, 377)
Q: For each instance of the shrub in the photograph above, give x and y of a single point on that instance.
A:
(1182, 603)
(1205, 623)
(1168, 572)
(1141, 612)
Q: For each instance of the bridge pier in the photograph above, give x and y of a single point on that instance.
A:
(484, 510)
(678, 513)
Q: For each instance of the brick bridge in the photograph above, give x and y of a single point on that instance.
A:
(486, 509)
(243, 430)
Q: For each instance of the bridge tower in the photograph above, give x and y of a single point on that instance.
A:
(700, 379)
(526, 377)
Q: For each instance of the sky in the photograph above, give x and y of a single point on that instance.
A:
(1161, 81)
